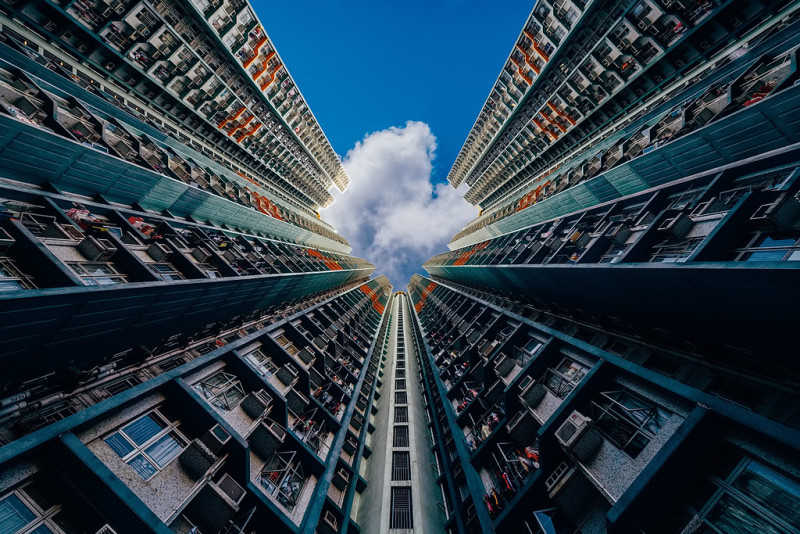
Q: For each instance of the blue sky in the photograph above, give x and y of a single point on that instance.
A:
(367, 67)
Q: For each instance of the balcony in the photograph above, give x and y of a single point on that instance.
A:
(310, 429)
(282, 478)
(509, 467)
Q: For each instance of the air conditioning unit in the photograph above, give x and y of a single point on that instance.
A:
(783, 211)
(257, 404)
(330, 521)
(606, 62)
(120, 9)
(106, 529)
(201, 255)
(579, 238)
(231, 488)
(709, 206)
(578, 435)
(145, 31)
(341, 479)
(644, 219)
(158, 251)
(679, 63)
(677, 226)
(571, 431)
(215, 438)
(51, 26)
(618, 233)
(533, 394)
(82, 48)
(95, 249)
(6, 241)
(110, 66)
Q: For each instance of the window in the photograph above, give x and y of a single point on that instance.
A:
(399, 384)
(742, 495)
(221, 390)
(401, 466)
(166, 271)
(11, 278)
(627, 421)
(36, 509)
(401, 508)
(770, 247)
(287, 344)
(148, 444)
(262, 363)
(400, 373)
(400, 438)
(283, 477)
(401, 397)
(563, 379)
(401, 414)
(97, 274)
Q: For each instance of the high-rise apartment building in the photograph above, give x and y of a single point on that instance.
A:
(187, 347)
(608, 347)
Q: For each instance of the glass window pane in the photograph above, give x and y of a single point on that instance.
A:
(98, 269)
(9, 285)
(767, 255)
(13, 515)
(733, 517)
(143, 429)
(164, 450)
(776, 242)
(772, 491)
(119, 444)
(42, 530)
(144, 468)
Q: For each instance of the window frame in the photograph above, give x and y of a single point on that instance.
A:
(168, 428)
(615, 413)
(217, 394)
(81, 268)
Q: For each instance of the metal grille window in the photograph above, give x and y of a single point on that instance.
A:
(98, 274)
(148, 444)
(401, 466)
(627, 421)
(11, 278)
(262, 363)
(401, 397)
(401, 414)
(400, 373)
(166, 271)
(401, 364)
(221, 390)
(399, 384)
(401, 508)
(563, 379)
(400, 438)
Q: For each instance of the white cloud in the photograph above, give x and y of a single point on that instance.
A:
(391, 213)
